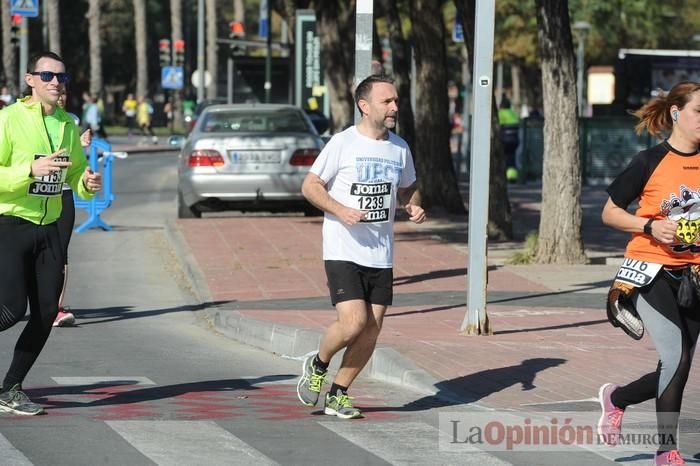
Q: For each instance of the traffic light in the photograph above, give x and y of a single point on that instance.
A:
(14, 29)
(179, 52)
(164, 52)
(236, 32)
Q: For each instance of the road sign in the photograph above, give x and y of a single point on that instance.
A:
(29, 8)
(264, 28)
(171, 77)
(457, 31)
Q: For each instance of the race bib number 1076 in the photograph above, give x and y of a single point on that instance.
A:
(49, 185)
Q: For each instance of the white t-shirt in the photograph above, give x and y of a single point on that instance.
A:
(365, 174)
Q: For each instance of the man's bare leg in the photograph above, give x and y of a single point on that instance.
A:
(352, 318)
(360, 350)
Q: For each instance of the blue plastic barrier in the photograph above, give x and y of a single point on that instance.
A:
(104, 198)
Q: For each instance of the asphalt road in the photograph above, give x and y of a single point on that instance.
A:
(144, 379)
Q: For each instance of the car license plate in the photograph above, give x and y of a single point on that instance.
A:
(249, 156)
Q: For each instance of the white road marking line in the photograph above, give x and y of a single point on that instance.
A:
(407, 443)
(103, 380)
(187, 442)
(12, 456)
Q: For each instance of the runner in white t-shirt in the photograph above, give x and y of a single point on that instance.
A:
(357, 180)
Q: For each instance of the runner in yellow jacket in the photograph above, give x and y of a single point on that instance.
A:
(39, 151)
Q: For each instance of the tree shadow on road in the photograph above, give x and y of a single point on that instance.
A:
(125, 392)
(119, 313)
(474, 387)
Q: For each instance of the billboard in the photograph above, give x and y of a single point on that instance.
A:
(310, 89)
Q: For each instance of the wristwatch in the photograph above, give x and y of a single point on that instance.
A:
(647, 226)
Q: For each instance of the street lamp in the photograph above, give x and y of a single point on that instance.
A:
(581, 29)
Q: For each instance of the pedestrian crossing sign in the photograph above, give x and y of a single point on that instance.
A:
(29, 8)
(171, 77)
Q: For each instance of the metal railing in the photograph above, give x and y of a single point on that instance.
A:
(607, 144)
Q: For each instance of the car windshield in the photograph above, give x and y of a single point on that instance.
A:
(257, 122)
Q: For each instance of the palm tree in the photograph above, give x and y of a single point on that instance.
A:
(93, 17)
(54, 17)
(140, 41)
(212, 47)
(176, 34)
(9, 58)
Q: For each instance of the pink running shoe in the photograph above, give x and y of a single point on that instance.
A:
(63, 318)
(610, 423)
(669, 458)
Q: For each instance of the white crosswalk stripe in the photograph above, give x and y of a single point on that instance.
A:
(10, 456)
(402, 443)
(103, 380)
(187, 443)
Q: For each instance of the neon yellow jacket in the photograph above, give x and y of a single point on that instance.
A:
(23, 138)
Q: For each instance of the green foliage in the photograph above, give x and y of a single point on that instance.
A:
(617, 24)
(516, 32)
(527, 256)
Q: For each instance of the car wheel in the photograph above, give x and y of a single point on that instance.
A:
(185, 211)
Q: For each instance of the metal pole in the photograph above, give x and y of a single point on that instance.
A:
(45, 24)
(476, 321)
(364, 11)
(200, 51)
(229, 80)
(23, 51)
(268, 55)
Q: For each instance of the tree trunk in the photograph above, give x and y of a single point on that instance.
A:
(176, 34)
(516, 98)
(140, 44)
(560, 219)
(212, 48)
(54, 26)
(500, 224)
(437, 181)
(93, 17)
(401, 64)
(9, 56)
(335, 23)
(239, 11)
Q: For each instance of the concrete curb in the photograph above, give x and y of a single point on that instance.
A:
(187, 262)
(386, 363)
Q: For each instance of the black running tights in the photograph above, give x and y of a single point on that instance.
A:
(674, 331)
(31, 261)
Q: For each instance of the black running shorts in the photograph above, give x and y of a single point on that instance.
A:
(348, 281)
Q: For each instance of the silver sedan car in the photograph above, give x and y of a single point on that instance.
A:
(247, 157)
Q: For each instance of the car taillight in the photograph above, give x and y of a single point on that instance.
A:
(205, 158)
(303, 157)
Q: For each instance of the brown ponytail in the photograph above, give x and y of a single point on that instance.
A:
(654, 116)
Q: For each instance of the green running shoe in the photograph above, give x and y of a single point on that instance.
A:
(309, 386)
(341, 406)
(15, 401)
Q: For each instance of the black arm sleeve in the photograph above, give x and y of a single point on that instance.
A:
(629, 184)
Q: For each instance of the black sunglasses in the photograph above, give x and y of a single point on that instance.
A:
(47, 76)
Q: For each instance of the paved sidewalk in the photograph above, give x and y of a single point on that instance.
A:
(139, 144)
(262, 280)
